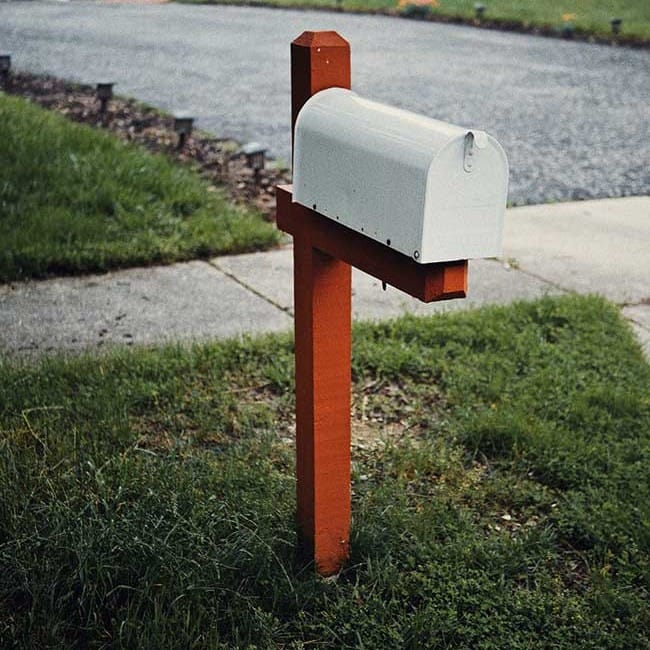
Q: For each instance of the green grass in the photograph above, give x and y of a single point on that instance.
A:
(587, 16)
(74, 199)
(146, 497)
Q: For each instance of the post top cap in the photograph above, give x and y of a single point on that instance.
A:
(320, 39)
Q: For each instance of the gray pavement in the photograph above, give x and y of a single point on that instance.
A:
(573, 117)
(588, 247)
(189, 301)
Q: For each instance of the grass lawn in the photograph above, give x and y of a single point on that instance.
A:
(587, 16)
(147, 497)
(74, 199)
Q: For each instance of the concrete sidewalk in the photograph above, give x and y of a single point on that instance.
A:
(588, 247)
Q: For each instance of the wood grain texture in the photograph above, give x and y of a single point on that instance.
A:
(323, 307)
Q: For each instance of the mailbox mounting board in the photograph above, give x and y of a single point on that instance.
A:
(431, 190)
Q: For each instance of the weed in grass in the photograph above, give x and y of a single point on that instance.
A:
(146, 498)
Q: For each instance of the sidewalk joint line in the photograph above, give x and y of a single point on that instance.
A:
(644, 302)
(535, 276)
(556, 285)
(636, 323)
(259, 294)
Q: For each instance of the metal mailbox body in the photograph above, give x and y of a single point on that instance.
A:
(431, 190)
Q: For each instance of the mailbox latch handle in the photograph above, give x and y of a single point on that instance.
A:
(474, 140)
(468, 152)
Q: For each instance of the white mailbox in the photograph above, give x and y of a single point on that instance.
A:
(431, 190)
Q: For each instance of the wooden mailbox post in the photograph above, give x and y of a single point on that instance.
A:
(324, 252)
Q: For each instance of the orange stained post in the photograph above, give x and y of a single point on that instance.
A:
(322, 300)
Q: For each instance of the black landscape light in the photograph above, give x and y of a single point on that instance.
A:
(104, 94)
(479, 10)
(255, 156)
(616, 25)
(5, 67)
(183, 125)
(568, 30)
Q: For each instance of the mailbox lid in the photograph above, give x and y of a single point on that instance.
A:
(465, 210)
(369, 167)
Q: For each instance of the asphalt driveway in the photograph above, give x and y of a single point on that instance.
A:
(573, 117)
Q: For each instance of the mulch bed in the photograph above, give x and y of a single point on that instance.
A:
(217, 159)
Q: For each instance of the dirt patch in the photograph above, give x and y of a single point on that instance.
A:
(219, 160)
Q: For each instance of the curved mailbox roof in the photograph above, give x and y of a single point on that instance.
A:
(432, 190)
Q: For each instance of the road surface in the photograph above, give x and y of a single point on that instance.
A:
(574, 118)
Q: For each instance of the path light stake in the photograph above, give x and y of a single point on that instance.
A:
(255, 157)
(479, 10)
(5, 69)
(104, 95)
(343, 155)
(183, 125)
(616, 25)
(568, 30)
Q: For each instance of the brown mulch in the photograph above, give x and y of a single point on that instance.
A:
(217, 159)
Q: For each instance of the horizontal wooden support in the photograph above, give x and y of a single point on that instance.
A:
(428, 282)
